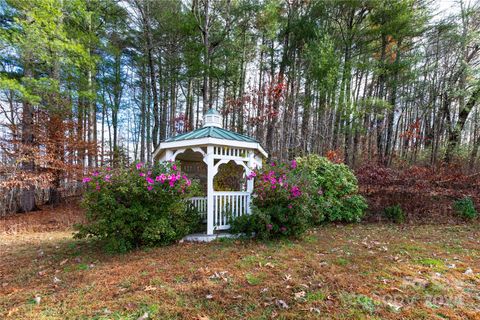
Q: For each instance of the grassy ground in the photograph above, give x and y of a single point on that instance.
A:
(371, 271)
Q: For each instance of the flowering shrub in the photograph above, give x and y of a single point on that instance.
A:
(335, 190)
(138, 206)
(279, 203)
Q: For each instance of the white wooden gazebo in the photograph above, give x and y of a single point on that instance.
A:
(201, 152)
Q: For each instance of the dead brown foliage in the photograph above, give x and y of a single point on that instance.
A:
(425, 194)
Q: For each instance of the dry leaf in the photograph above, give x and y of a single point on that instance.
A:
(300, 295)
(145, 316)
(150, 288)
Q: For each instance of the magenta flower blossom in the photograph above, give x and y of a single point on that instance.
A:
(174, 167)
(290, 206)
(141, 174)
(251, 175)
(188, 182)
(320, 192)
(161, 178)
(149, 187)
(139, 165)
(294, 164)
(269, 227)
(97, 187)
(108, 168)
(295, 192)
(95, 173)
(283, 229)
(86, 180)
(107, 178)
(172, 180)
(150, 180)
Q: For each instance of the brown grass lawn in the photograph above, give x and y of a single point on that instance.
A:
(374, 271)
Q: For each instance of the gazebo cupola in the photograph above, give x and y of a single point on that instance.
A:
(201, 153)
(212, 118)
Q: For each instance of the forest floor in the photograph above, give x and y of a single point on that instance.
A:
(337, 271)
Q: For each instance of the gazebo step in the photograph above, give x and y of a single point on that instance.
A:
(203, 237)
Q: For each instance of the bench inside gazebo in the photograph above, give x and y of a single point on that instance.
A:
(219, 160)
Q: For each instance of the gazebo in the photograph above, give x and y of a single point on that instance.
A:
(201, 154)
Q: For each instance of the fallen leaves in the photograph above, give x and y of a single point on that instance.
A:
(300, 295)
(150, 288)
(302, 280)
(221, 275)
(145, 316)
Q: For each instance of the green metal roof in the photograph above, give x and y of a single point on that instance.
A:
(211, 132)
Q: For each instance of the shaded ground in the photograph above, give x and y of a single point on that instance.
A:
(372, 271)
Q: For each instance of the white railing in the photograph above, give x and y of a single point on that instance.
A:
(230, 152)
(227, 205)
(200, 203)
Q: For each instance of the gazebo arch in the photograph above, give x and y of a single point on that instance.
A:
(217, 146)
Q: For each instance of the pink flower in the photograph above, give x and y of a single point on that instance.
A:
(295, 192)
(294, 164)
(290, 206)
(141, 174)
(107, 178)
(161, 178)
(283, 229)
(269, 227)
(86, 180)
(150, 180)
(320, 192)
(188, 182)
(172, 180)
(108, 168)
(95, 173)
(139, 165)
(97, 187)
(273, 164)
(174, 167)
(149, 187)
(251, 175)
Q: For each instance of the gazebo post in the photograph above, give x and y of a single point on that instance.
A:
(210, 175)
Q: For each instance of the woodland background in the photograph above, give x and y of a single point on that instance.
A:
(390, 88)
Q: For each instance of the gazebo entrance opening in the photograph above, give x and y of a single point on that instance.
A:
(192, 164)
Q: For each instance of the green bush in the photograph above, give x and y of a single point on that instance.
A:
(465, 208)
(280, 205)
(138, 206)
(335, 190)
(394, 213)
